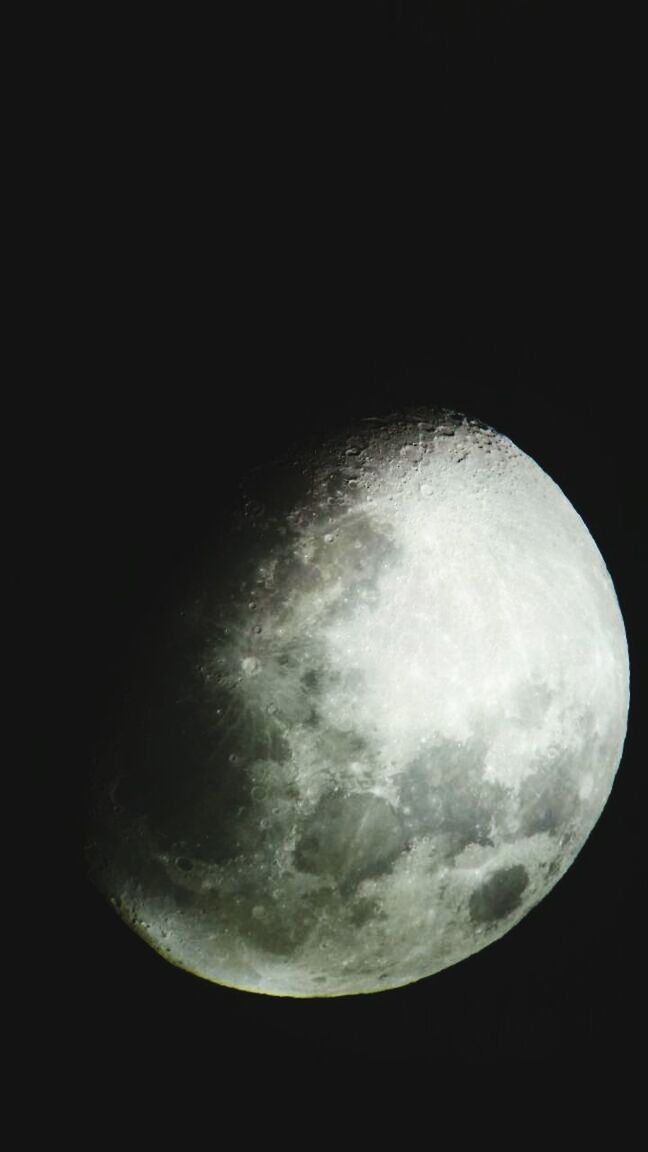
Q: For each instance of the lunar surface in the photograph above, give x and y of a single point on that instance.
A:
(379, 728)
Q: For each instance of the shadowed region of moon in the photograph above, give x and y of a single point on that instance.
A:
(378, 727)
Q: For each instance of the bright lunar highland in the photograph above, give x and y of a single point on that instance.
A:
(380, 726)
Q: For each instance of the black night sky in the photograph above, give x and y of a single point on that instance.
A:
(290, 222)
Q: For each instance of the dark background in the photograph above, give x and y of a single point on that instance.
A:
(286, 222)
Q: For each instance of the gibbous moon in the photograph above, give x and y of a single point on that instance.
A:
(379, 728)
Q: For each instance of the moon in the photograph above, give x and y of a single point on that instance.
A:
(380, 725)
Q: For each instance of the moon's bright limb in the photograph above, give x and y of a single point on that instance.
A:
(384, 731)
